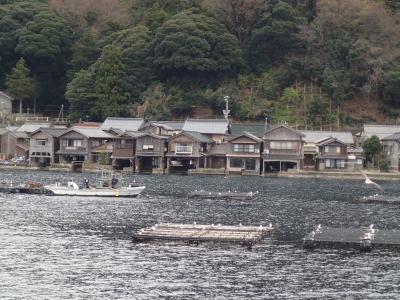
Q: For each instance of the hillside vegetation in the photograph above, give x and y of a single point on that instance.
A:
(306, 62)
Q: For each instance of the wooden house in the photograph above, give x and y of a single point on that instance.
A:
(85, 145)
(332, 154)
(391, 151)
(43, 146)
(283, 149)
(244, 154)
(150, 153)
(188, 150)
(165, 128)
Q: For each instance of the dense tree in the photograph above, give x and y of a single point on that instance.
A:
(391, 90)
(371, 147)
(191, 42)
(20, 84)
(274, 37)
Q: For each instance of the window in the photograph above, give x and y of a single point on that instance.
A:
(95, 143)
(148, 147)
(284, 145)
(250, 164)
(235, 163)
(332, 149)
(244, 148)
(41, 142)
(327, 163)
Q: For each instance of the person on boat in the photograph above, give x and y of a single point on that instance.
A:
(86, 183)
(114, 182)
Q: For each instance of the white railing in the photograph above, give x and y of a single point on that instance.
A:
(180, 149)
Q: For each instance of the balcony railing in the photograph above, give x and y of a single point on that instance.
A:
(282, 151)
(180, 149)
(74, 148)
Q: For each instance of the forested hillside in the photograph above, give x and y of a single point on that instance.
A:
(316, 63)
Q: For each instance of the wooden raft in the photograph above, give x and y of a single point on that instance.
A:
(195, 233)
(229, 195)
(364, 239)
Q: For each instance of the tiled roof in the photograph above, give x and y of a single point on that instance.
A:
(131, 124)
(31, 127)
(91, 132)
(196, 136)
(317, 136)
(3, 94)
(51, 131)
(287, 127)
(169, 125)
(207, 126)
(248, 134)
(392, 137)
(256, 129)
(381, 131)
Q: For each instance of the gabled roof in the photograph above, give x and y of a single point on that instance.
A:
(133, 134)
(207, 126)
(124, 124)
(392, 137)
(330, 140)
(314, 136)
(166, 125)
(145, 133)
(381, 131)
(287, 127)
(5, 95)
(201, 138)
(90, 132)
(255, 129)
(31, 127)
(19, 134)
(246, 134)
(50, 131)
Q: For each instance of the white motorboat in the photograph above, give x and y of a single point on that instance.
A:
(105, 187)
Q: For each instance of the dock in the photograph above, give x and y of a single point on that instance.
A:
(33, 189)
(229, 195)
(364, 239)
(196, 233)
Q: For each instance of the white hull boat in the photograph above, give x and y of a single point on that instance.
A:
(73, 190)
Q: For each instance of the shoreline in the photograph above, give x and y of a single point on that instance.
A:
(374, 175)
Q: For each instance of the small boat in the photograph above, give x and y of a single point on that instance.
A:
(105, 187)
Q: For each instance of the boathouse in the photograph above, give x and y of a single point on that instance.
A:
(78, 145)
(150, 153)
(283, 150)
(124, 149)
(244, 154)
(43, 145)
(187, 150)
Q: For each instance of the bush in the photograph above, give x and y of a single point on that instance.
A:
(383, 165)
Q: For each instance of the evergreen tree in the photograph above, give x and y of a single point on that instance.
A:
(20, 84)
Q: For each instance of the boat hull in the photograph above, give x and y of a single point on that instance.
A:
(95, 192)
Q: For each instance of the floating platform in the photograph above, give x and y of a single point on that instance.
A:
(223, 195)
(364, 239)
(195, 233)
(9, 189)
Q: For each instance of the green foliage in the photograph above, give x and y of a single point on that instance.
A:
(275, 35)
(19, 83)
(108, 85)
(383, 165)
(391, 90)
(371, 147)
(192, 42)
(81, 95)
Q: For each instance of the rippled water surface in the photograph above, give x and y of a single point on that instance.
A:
(80, 248)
